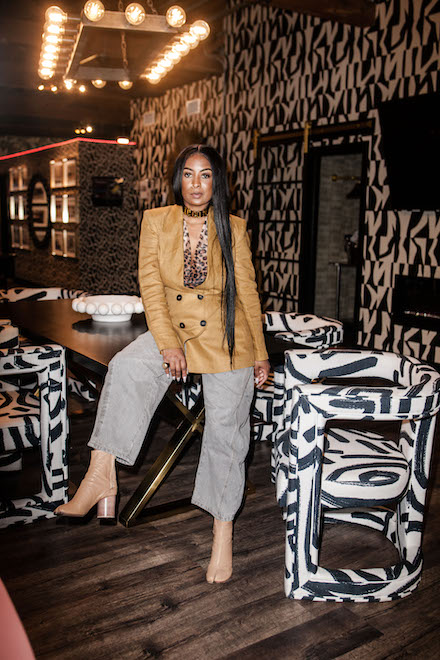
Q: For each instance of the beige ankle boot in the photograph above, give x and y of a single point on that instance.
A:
(98, 486)
(220, 566)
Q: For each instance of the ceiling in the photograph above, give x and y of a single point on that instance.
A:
(26, 111)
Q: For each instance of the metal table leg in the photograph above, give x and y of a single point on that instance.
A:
(134, 511)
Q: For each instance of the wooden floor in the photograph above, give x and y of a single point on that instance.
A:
(86, 591)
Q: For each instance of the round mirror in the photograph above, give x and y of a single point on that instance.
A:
(38, 211)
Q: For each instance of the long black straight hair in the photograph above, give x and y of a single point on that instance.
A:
(220, 204)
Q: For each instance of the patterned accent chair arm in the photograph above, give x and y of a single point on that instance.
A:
(305, 330)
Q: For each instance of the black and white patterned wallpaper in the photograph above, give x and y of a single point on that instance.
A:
(106, 238)
(281, 70)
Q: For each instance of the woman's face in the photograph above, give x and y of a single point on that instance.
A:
(197, 182)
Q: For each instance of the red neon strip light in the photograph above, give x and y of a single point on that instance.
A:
(61, 144)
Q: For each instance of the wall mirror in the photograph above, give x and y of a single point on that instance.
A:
(38, 211)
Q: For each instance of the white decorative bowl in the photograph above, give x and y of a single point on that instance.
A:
(108, 309)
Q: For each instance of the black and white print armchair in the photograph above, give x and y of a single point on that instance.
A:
(331, 475)
(305, 330)
(35, 418)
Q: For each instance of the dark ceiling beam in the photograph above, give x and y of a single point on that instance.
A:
(354, 12)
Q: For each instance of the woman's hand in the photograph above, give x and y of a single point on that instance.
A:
(261, 372)
(175, 358)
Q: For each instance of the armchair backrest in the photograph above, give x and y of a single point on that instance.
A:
(414, 388)
(16, 294)
(305, 329)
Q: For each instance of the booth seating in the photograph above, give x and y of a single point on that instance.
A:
(10, 461)
(17, 294)
(33, 413)
(82, 388)
(305, 330)
(346, 475)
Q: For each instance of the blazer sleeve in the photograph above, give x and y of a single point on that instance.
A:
(247, 290)
(151, 286)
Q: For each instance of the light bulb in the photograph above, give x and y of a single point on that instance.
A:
(53, 28)
(200, 29)
(83, 130)
(89, 129)
(40, 88)
(135, 13)
(82, 89)
(47, 64)
(55, 15)
(181, 48)
(94, 10)
(50, 48)
(174, 56)
(51, 38)
(54, 88)
(191, 39)
(158, 68)
(175, 16)
(99, 84)
(125, 84)
(166, 63)
(77, 131)
(68, 84)
(45, 73)
(123, 140)
(153, 76)
(50, 56)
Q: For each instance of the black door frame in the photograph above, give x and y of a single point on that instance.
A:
(309, 223)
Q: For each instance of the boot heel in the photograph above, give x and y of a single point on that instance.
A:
(107, 507)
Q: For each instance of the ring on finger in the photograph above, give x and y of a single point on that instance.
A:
(165, 365)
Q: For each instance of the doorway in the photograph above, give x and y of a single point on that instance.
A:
(334, 205)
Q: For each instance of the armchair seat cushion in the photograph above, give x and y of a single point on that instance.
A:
(19, 420)
(359, 465)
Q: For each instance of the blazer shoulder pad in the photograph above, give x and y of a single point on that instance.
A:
(238, 225)
(157, 215)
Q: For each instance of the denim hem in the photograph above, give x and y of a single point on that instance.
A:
(119, 459)
(211, 512)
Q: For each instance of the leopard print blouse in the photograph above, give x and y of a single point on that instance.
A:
(195, 270)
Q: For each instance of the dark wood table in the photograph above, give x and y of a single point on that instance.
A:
(90, 346)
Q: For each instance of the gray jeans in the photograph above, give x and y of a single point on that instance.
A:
(133, 388)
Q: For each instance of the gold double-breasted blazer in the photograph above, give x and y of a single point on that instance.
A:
(191, 319)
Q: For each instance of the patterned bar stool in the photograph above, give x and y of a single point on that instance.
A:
(333, 475)
(305, 330)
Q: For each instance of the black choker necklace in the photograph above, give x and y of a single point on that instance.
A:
(195, 214)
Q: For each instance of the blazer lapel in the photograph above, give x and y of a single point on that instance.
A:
(172, 245)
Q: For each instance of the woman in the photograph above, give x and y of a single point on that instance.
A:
(203, 313)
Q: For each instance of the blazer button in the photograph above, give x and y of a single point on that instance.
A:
(203, 323)
(182, 325)
(200, 297)
(179, 297)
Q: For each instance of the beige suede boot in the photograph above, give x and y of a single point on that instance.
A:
(98, 486)
(220, 566)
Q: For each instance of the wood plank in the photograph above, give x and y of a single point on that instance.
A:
(85, 590)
